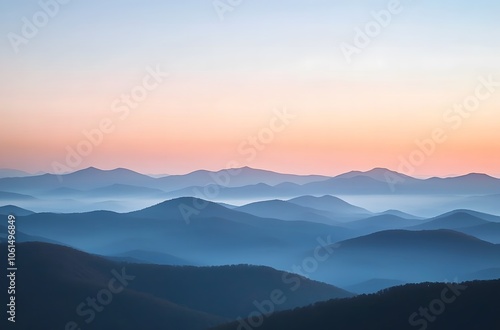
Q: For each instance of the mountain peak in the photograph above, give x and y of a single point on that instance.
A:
(478, 176)
(90, 169)
(377, 173)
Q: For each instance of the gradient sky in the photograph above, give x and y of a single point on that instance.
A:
(227, 77)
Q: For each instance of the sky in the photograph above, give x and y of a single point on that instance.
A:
(309, 86)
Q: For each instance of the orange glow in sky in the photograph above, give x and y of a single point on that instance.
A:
(226, 80)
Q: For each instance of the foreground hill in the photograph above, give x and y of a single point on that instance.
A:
(152, 297)
(472, 305)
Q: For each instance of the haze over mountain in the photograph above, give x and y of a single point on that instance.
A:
(408, 256)
(212, 234)
(10, 196)
(452, 220)
(205, 233)
(400, 214)
(22, 237)
(312, 233)
(489, 232)
(12, 173)
(383, 222)
(92, 178)
(123, 190)
(279, 209)
(335, 206)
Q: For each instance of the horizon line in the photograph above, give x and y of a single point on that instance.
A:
(162, 175)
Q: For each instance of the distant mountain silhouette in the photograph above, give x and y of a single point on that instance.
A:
(383, 222)
(22, 237)
(334, 205)
(485, 203)
(356, 185)
(473, 306)
(279, 209)
(400, 214)
(171, 209)
(481, 215)
(408, 256)
(259, 190)
(210, 235)
(473, 183)
(383, 181)
(14, 210)
(62, 193)
(179, 246)
(9, 196)
(107, 192)
(451, 220)
(11, 173)
(116, 190)
(356, 182)
(235, 178)
(378, 173)
(489, 232)
(366, 183)
(89, 178)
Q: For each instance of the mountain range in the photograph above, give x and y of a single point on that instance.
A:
(479, 191)
(208, 248)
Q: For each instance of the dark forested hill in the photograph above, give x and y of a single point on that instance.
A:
(440, 306)
(56, 285)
